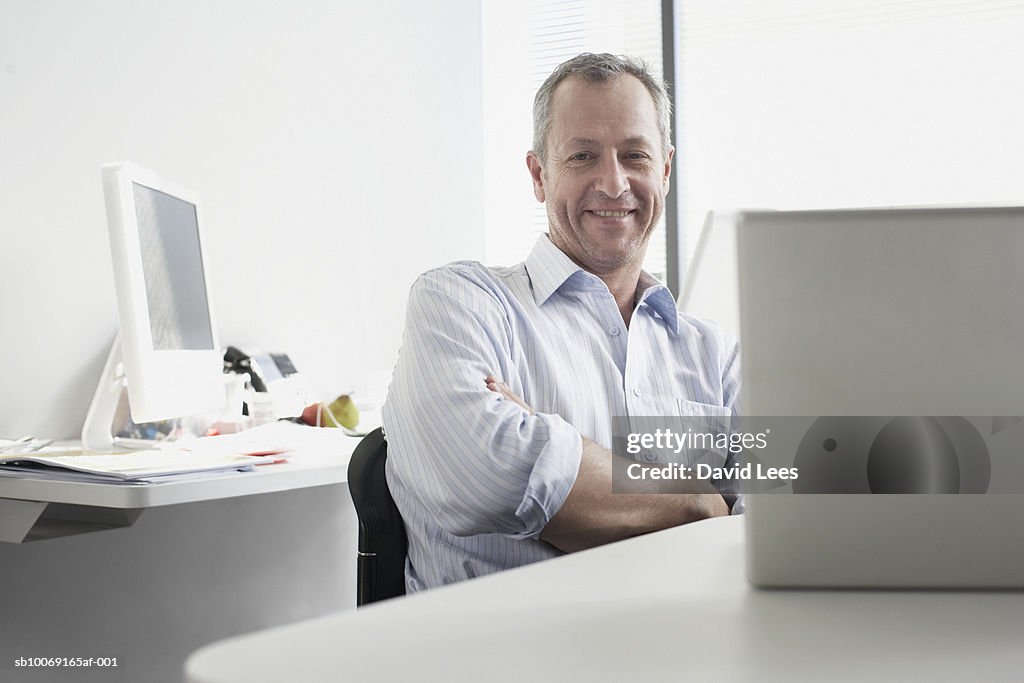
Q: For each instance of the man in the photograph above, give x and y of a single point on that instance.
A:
(499, 415)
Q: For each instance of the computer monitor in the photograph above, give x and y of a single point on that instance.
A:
(883, 348)
(711, 287)
(167, 351)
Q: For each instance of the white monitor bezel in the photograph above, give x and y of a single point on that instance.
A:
(162, 384)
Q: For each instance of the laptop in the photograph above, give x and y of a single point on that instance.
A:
(710, 288)
(855, 322)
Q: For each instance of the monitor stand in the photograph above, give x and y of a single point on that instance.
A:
(110, 404)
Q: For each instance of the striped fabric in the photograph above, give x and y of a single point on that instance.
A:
(475, 477)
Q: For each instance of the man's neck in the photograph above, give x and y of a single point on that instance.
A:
(622, 284)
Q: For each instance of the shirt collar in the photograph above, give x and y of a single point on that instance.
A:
(549, 268)
(655, 294)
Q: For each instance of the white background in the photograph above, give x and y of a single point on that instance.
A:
(336, 147)
(793, 104)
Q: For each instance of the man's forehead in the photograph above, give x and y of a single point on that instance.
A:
(585, 112)
(581, 80)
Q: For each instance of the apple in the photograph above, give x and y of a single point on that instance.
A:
(341, 412)
(309, 414)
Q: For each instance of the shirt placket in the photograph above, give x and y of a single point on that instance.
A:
(641, 405)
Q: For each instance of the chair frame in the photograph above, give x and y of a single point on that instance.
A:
(383, 544)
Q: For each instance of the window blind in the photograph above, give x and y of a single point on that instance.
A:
(844, 103)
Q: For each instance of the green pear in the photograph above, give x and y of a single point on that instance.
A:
(344, 412)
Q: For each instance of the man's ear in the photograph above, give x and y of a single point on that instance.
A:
(668, 168)
(537, 173)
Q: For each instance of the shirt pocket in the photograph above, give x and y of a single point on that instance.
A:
(706, 418)
(696, 409)
(709, 426)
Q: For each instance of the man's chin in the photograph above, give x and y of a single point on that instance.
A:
(603, 258)
(599, 251)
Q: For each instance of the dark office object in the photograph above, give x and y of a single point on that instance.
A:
(383, 544)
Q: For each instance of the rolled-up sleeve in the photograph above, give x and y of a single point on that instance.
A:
(478, 463)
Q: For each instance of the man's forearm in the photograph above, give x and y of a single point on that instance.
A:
(592, 515)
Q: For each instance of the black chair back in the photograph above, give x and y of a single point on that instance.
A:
(380, 569)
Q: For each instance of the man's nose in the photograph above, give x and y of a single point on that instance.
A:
(611, 179)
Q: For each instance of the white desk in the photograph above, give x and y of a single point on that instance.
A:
(668, 606)
(35, 509)
(208, 558)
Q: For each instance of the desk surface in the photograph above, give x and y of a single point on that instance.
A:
(321, 458)
(668, 605)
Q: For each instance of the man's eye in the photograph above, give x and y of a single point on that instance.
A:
(637, 156)
(580, 156)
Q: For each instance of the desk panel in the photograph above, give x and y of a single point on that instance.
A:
(182, 576)
(671, 605)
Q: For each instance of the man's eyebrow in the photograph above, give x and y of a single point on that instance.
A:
(628, 142)
(584, 142)
(637, 140)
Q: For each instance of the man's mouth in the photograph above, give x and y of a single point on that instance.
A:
(611, 214)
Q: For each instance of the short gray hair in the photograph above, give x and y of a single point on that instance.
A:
(597, 69)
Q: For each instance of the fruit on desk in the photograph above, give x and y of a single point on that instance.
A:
(343, 409)
(309, 414)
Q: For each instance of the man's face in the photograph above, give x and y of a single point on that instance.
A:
(605, 179)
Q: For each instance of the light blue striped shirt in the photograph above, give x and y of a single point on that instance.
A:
(475, 478)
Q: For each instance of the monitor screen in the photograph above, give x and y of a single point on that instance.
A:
(167, 336)
(172, 266)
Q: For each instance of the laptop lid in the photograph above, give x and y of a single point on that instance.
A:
(887, 313)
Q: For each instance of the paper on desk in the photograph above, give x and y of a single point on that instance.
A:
(275, 437)
(124, 466)
(177, 459)
(57, 474)
(266, 439)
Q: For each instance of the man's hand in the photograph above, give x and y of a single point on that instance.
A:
(499, 387)
(592, 515)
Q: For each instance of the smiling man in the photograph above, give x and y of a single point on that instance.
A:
(499, 416)
(601, 165)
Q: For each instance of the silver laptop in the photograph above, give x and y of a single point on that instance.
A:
(870, 315)
(710, 289)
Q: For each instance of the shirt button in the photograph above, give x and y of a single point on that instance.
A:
(637, 393)
(650, 456)
(614, 332)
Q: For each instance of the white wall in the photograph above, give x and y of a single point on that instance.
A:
(337, 147)
(841, 103)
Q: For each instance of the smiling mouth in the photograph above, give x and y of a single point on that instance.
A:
(611, 214)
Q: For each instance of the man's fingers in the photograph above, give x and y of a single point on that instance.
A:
(495, 384)
(500, 387)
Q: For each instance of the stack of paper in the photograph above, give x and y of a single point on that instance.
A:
(129, 467)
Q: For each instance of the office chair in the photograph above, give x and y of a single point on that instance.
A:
(380, 568)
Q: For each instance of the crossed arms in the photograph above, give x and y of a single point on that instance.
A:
(592, 515)
(475, 462)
